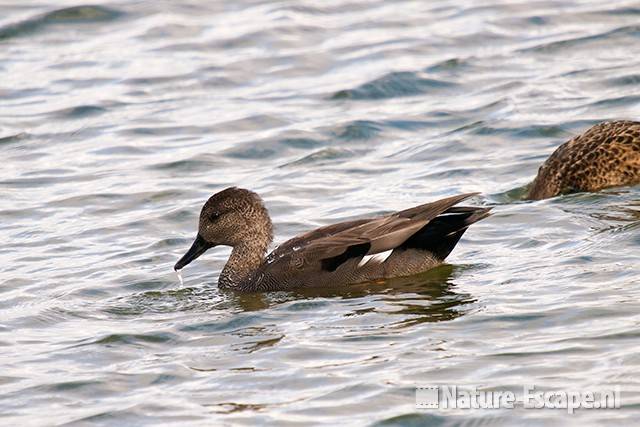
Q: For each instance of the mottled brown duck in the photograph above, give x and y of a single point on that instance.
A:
(403, 243)
(606, 155)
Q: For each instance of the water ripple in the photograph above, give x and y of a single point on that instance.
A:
(393, 85)
(70, 15)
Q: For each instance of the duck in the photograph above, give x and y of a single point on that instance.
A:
(402, 243)
(606, 155)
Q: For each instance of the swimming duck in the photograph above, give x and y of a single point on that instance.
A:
(606, 155)
(399, 244)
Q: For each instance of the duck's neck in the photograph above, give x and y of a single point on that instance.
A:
(245, 259)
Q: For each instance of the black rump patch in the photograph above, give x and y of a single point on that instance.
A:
(443, 232)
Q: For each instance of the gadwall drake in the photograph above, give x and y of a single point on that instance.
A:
(606, 155)
(399, 244)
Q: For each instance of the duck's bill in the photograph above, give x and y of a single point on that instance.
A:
(198, 247)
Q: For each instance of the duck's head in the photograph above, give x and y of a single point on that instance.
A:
(232, 217)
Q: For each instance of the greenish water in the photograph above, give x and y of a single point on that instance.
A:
(118, 120)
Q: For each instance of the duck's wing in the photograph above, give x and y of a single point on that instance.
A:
(363, 237)
(302, 240)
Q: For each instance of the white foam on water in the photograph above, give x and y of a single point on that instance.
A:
(179, 274)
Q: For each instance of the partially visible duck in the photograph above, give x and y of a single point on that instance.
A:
(606, 155)
(399, 244)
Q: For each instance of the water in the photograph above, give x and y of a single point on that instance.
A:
(118, 120)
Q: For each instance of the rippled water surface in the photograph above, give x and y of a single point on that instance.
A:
(118, 119)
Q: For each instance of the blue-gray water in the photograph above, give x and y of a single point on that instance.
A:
(117, 120)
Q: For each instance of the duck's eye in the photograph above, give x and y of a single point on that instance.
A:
(214, 216)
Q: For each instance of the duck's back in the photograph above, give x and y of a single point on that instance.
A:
(606, 155)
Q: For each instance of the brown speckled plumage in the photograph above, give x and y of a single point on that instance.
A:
(606, 155)
(417, 239)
